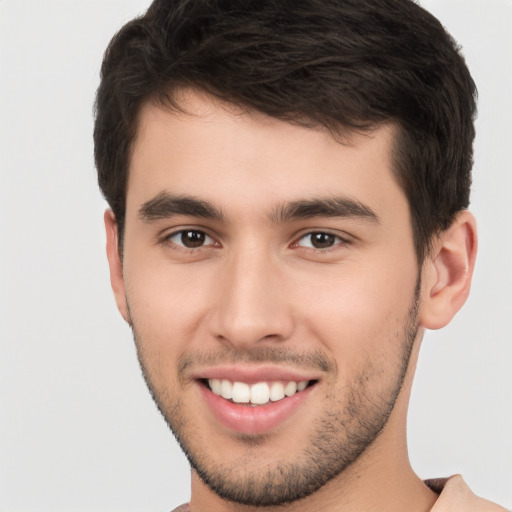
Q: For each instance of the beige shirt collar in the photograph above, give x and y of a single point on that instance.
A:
(456, 496)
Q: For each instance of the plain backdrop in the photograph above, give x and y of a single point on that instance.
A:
(78, 430)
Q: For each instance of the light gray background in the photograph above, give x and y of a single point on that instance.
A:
(78, 431)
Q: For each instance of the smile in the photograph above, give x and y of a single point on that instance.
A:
(254, 399)
(259, 393)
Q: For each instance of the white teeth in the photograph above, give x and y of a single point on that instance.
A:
(215, 385)
(301, 386)
(259, 393)
(276, 391)
(226, 389)
(290, 388)
(241, 392)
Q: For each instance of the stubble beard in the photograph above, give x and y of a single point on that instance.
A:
(344, 432)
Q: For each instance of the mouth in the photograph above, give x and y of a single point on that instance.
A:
(255, 394)
(255, 401)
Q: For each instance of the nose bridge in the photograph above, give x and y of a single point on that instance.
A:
(252, 305)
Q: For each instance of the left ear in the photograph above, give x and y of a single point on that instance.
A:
(115, 265)
(447, 272)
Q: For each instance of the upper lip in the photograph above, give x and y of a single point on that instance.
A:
(255, 373)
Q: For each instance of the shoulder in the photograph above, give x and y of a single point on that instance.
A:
(182, 508)
(456, 496)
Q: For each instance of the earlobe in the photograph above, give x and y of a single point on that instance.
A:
(448, 271)
(115, 264)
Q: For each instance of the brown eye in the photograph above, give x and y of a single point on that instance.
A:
(190, 238)
(319, 240)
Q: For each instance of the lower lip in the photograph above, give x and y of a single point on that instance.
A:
(253, 420)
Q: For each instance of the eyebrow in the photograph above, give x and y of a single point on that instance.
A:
(165, 205)
(324, 207)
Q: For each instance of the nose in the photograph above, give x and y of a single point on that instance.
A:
(253, 305)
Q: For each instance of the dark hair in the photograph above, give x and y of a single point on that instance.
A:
(340, 64)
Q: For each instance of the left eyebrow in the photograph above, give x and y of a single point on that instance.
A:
(324, 207)
(165, 205)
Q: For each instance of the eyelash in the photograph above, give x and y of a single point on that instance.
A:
(337, 240)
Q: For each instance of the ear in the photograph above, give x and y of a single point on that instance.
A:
(115, 264)
(447, 272)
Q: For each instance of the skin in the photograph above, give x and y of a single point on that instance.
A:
(257, 293)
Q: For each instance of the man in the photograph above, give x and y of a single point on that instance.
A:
(288, 184)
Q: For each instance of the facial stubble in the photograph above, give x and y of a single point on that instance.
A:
(339, 438)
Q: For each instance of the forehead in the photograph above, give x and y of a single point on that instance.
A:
(228, 156)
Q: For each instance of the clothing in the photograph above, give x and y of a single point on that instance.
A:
(182, 508)
(454, 496)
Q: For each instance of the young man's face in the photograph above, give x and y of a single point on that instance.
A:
(268, 255)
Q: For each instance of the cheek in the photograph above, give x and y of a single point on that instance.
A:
(164, 314)
(359, 313)
(166, 303)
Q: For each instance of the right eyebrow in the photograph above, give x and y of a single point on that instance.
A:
(165, 205)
